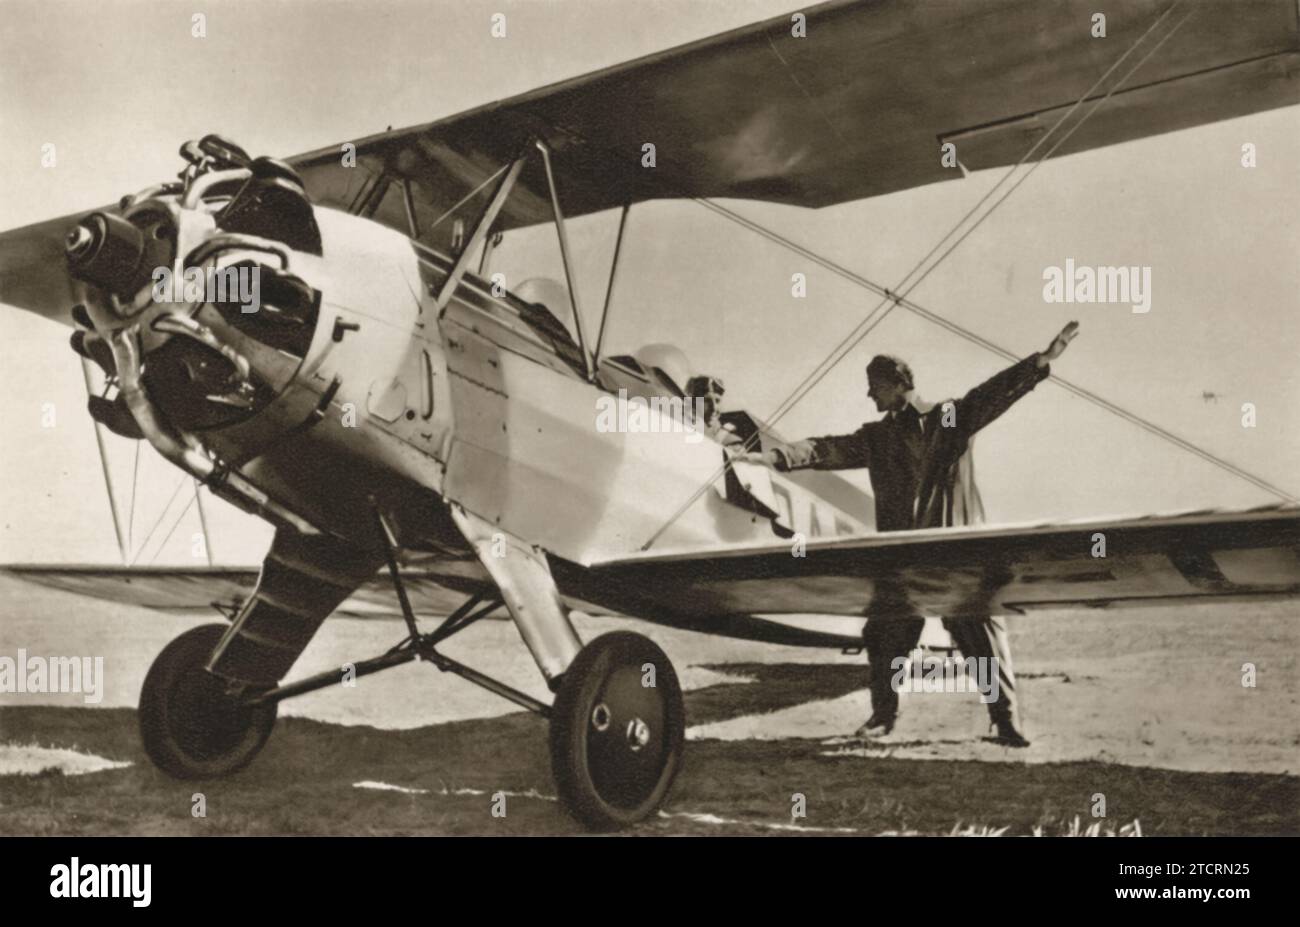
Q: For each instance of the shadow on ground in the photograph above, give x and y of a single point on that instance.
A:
(303, 782)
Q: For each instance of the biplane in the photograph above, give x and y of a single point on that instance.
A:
(388, 407)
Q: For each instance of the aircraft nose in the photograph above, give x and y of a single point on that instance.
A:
(79, 241)
(109, 252)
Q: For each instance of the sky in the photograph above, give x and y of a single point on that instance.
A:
(117, 86)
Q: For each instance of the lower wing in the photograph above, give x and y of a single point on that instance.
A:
(954, 572)
(183, 589)
(970, 572)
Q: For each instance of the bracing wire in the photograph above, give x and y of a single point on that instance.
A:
(185, 511)
(898, 296)
(159, 519)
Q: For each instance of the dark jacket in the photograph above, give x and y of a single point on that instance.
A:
(921, 472)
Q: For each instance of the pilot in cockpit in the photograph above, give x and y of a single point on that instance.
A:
(663, 372)
(704, 400)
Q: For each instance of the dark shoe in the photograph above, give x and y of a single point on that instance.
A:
(877, 726)
(1007, 735)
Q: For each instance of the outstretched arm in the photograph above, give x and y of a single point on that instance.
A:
(991, 398)
(833, 452)
(1058, 345)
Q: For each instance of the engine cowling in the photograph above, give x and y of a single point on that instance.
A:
(195, 311)
(272, 371)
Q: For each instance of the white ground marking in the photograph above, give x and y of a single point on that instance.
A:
(971, 830)
(532, 793)
(389, 787)
(733, 822)
(28, 760)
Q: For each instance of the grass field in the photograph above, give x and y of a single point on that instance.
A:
(1145, 708)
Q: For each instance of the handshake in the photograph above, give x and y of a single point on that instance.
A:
(769, 458)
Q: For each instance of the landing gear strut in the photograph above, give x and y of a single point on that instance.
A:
(617, 726)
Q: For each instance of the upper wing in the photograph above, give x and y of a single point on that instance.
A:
(978, 571)
(856, 108)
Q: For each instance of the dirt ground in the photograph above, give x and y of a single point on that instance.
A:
(1143, 707)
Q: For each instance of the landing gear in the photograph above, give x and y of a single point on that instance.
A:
(617, 731)
(617, 727)
(193, 727)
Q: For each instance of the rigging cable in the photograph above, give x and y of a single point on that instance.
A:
(158, 521)
(893, 298)
(469, 196)
(185, 511)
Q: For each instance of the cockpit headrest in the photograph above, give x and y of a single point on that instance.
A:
(669, 361)
(547, 292)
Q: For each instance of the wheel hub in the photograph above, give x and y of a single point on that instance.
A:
(624, 740)
(617, 732)
(638, 734)
(205, 717)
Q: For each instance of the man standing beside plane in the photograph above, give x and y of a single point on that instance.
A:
(923, 477)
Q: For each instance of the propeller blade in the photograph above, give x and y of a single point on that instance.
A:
(34, 270)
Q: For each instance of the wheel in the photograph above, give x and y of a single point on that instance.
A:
(616, 742)
(191, 726)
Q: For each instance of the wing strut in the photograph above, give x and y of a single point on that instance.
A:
(203, 521)
(609, 287)
(103, 462)
(489, 216)
(568, 263)
(408, 199)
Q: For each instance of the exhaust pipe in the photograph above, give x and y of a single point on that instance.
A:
(183, 450)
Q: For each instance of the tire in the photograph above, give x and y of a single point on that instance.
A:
(616, 744)
(191, 727)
